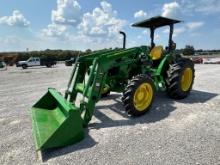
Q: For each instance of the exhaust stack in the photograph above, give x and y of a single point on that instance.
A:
(124, 39)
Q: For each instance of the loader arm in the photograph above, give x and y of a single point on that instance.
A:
(89, 79)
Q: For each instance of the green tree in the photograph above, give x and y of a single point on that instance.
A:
(189, 50)
(88, 51)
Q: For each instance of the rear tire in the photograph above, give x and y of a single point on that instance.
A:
(48, 65)
(180, 78)
(138, 95)
(24, 66)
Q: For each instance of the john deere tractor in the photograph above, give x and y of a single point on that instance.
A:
(136, 72)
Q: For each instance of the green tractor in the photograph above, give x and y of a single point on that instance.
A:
(136, 72)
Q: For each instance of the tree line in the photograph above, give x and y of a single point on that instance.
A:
(190, 50)
(58, 55)
(62, 55)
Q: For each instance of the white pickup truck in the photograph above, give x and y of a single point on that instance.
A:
(36, 61)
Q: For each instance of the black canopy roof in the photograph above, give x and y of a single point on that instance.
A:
(156, 22)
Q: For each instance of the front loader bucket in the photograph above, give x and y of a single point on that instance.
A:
(55, 122)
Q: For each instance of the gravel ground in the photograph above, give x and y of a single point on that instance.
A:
(173, 132)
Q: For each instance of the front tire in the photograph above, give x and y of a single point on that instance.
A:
(105, 91)
(180, 78)
(138, 95)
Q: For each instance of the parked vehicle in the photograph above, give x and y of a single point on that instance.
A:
(70, 61)
(197, 60)
(36, 61)
(211, 61)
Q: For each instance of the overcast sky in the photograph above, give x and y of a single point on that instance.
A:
(94, 24)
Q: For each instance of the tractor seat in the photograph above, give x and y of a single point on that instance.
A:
(156, 52)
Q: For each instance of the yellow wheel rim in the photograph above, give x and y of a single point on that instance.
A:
(143, 96)
(105, 89)
(186, 79)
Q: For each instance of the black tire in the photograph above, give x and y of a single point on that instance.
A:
(24, 66)
(105, 94)
(68, 64)
(174, 77)
(48, 65)
(129, 94)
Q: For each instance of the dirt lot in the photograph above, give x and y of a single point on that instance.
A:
(173, 132)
